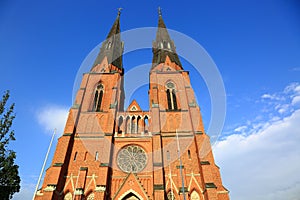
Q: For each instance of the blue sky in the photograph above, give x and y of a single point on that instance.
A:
(255, 44)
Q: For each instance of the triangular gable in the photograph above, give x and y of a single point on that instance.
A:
(131, 184)
(167, 66)
(134, 106)
(103, 67)
(194, 183)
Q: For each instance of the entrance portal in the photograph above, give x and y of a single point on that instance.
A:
(130, 196)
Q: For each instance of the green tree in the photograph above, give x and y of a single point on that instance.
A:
(9, 175)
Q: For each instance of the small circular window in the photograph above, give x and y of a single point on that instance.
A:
(170, 85)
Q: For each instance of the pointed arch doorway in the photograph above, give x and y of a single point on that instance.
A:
(131, 196)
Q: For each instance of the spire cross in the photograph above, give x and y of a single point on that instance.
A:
(119, 11)
(159, 11)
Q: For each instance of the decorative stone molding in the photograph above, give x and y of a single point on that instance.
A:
(39, 193)
(79, 191)
(100, 188)
(50, 188)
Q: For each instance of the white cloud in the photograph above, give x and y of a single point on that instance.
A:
(296, 100)
(52, 116)
(240, 129)
(265, 163)
(272, 97)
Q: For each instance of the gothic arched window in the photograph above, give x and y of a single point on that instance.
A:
(91, 196)
(108, 45)
(165, 44)
(75, 156)
(85, 156)
(98, 97)
(68, 196)
(133, 124)
(120, 124)
(171, 96)
(195, 196)
(171, 196)
(96, 155)
(168, 155)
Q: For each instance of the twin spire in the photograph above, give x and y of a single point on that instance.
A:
(113, 47)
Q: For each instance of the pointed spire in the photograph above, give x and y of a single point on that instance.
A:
(115, 29)
(163, 46)
(112, 47)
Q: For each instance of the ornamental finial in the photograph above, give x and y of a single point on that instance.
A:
(159, 11)
(119, 11)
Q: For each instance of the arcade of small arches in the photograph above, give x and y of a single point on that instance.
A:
(133, 125)
(98, 96)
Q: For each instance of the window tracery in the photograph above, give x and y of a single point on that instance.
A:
(171, 96)
(171, 196)
(132, 159)
(68, 196)
(98, 97)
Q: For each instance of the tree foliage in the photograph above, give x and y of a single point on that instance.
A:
(9, 175)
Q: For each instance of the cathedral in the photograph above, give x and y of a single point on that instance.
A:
(108, 152)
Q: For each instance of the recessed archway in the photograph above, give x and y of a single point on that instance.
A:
(130, 196)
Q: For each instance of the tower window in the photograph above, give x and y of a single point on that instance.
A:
(189, 154)
(169, 46)
(168, 155)
(165, 44)
(96, 155)
(98, 97)
(171, 96)
(75, 156)
(169, 99)
(108, 45)
(161, 45)
(85, 156)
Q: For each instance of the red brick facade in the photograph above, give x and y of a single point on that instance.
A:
(174, 153)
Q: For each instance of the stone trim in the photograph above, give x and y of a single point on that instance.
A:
(157, 164)
(185, 190)
(210, 185)
(159, 187)
(100, 188)
(104, 164)
(205, 162)
(50, 188)
(57, 164)
(83, 168)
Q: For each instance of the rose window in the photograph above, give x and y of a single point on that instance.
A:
(132, 159)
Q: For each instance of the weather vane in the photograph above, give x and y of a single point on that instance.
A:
(119, 10)
(159, 11)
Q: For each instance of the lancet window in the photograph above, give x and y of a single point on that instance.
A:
(171, 96)
(98, 97)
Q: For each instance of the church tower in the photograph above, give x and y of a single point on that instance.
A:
(108, 152)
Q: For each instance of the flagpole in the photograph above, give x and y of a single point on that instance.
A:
(44, 164)
(170, 177)
(182, 180)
